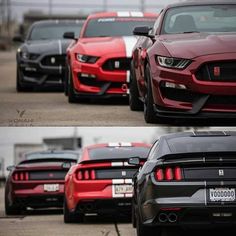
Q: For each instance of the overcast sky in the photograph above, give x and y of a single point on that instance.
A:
(75, 6)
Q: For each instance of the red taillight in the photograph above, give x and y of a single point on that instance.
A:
(169, 174)
(21, 176)
(86, 175)
(159, 175)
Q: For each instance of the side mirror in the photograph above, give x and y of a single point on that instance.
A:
(134, 161)
(66, 165)
(10, 168)
(18, 38)
(69, 35)
(142, 31)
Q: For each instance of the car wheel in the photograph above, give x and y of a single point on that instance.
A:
(70, 217)
(19, 87)
(70, 88)
(142, 230)
(133, 214)
(149, 114)
(66, 79)
(10, 210)
(134, 102)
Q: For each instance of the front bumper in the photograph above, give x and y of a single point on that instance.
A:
(91, 80)
(200, 98)
(33, 73)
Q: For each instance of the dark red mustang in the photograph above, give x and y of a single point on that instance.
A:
(185, 67)
(38, 181)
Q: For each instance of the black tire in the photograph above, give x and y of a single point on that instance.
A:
(133, 214)
(19, 87)
(66, 79)
(135, 103)
(71, 94)
(10, 210)
(142, 230)
(70, 217)
(149, 114)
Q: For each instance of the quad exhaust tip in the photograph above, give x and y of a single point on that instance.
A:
(171, 218)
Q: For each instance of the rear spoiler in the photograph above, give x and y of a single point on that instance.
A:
(198, 157)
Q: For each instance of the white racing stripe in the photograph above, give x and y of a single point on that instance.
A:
(136, 13)
(123, 14)
(60, 47)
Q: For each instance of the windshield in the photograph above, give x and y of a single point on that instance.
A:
(53, 31)
(208, 18)
(117, 26)
(202, 144)
(118, 152)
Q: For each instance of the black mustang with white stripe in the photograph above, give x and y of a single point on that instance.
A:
(41, 58)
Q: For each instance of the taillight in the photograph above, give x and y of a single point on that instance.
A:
(169, 174)
(21, 176)
(86, 174)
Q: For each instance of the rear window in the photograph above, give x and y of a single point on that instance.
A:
(35, 156)
(202, 144)
(111, 27)
(118, 152)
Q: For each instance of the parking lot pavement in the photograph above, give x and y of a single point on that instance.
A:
(50, 222)
(53, 109)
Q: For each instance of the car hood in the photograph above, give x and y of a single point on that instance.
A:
(107, 45)
(194, 45)
(58, 46)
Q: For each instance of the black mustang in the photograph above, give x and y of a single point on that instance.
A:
(41, 58)
(189, 180)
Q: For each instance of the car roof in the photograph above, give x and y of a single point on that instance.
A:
(200, 2)
(49, 22)
(118, 144)
(132, 14)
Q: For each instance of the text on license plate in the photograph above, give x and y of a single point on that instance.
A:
(51, 187)
(123, 188)
(222, 194)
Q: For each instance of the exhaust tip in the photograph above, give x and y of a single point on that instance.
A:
(172, 217)
(162, 218)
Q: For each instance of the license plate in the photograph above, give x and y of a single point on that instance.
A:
(51, 187)
(122, 189)
(222, 195)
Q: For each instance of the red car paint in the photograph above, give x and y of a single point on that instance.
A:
(100, 80)
(90, 186)
(29, 183)
(204, 95)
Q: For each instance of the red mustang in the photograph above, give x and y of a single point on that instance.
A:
(38, 181)
(98, 62)
(101, 183)
(186, 66)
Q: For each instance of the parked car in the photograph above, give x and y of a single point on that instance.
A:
(41, 57)
(188, 180)
(38, 181)
(101, 183)
(98, 63)
(184, 68)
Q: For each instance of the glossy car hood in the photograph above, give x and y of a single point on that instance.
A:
(46, 46)
(104, 45)
(193, 45)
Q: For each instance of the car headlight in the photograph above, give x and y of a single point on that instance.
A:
(171, 62)
(25, 55)
(86, 58)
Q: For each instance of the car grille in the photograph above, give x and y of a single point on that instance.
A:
(117, 64)
(47, 175)
(115, 173)
(54, 60)
(218, 71)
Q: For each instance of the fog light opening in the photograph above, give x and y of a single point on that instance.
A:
(173, 85)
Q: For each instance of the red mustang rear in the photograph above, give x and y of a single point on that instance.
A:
(101, 183)
(98, 64)
(38, 181)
